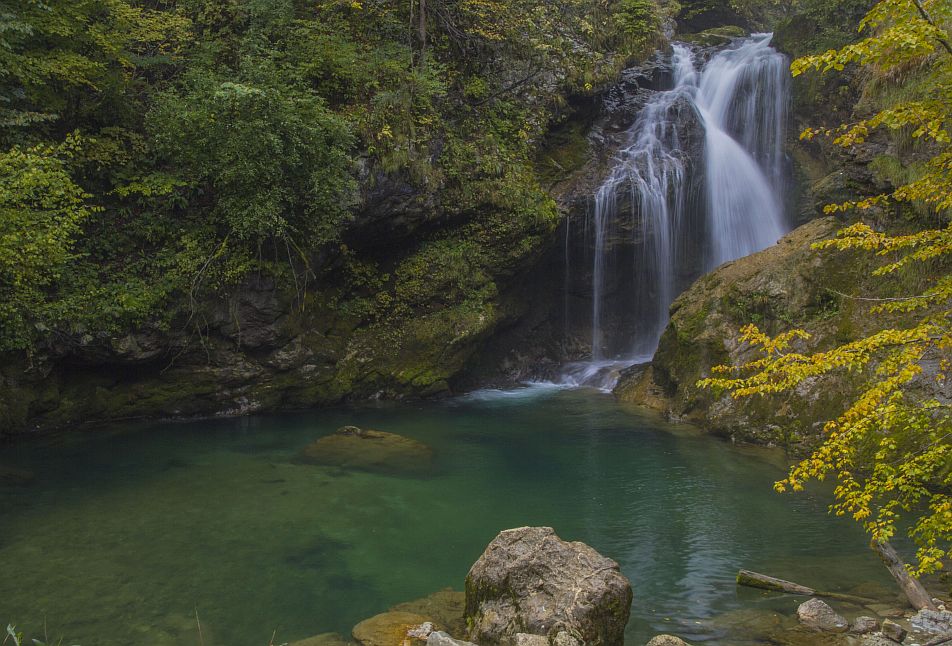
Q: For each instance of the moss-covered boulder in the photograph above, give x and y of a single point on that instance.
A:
(789, 285)
(368, 450)
(716, 36)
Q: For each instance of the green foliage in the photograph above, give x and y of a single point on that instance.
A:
(639, 18)
(223, 138)
(890, 451)
(819, 25)
(53, 51)
(273, 163)
(41, 210)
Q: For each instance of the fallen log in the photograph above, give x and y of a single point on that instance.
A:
(917, 595)
(765, 582)
(757, 580)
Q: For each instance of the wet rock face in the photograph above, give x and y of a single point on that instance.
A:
(817, 615)
(368, 450)
(531, 581)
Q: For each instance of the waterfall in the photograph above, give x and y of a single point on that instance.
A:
(698, 182)
(742, 102)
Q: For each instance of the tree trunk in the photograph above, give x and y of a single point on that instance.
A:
(757, 580)
(764, 582)
(910, 585)
(422, 31)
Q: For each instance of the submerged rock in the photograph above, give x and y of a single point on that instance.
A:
(894, 631)
(324, 639)
(387, 629)
(423, 631)
(667, 640)
(531, 581)
(16, 476)
(444, 608)
(863, 625)
(368, 450)
(877, 639)
(819, 616)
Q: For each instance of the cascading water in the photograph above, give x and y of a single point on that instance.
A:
(742, 102)
(684, 210)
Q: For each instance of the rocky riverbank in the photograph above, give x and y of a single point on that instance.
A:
(531, 588)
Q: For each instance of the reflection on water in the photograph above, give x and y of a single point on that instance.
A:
(125, 536)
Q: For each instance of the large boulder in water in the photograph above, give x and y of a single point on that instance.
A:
(531, 581)
(368, 450)
(819, 616)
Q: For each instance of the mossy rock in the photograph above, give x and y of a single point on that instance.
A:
(368, 450)
(444, 608)
(781, 287)
(715, 37)
(388, 629)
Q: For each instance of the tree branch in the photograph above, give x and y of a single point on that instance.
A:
(925, 16)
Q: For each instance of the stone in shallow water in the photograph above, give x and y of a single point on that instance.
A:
(444, 608)
(894, 631)
(863, 625)
(387, 629)
(667, 640)
(368, 450)
(932, 622)
(885, 610)
(754, 623)
(423, 631)
(819, 616)
(877, 639)
(529, 579)
(438, 638)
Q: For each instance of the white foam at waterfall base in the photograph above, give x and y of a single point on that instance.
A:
(740, 98)
(600, 375)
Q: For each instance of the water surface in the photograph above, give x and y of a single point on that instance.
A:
(129, 531)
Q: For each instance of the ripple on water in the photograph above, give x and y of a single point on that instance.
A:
(125, 534)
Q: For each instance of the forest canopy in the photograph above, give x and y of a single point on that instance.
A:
(156, 151)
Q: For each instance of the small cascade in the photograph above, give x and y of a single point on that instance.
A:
(699, 182)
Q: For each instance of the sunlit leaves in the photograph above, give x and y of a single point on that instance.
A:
(41, 209)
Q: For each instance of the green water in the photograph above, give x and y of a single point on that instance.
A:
(128, 531)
